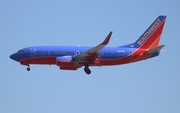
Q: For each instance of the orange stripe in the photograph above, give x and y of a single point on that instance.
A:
(155, 43)
(153, 36)
(145, 56)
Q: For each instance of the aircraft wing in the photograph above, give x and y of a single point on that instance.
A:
(93, 53)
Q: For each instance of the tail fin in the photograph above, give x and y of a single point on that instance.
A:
(151, 37)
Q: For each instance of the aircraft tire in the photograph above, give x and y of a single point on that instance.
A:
(87, 70)
(28, 69)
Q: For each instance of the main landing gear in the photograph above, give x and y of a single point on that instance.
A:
(87, 70)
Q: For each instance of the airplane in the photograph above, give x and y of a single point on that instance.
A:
(74, 57)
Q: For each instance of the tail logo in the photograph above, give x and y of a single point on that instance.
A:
(148, 32)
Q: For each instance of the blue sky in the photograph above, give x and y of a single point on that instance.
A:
(150, 86)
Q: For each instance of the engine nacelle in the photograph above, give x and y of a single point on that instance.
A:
(64, 61)
(68, 68)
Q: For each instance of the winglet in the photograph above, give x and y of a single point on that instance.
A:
(106, 41)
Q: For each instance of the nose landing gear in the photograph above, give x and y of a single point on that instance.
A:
(28, 68)
(87, 70)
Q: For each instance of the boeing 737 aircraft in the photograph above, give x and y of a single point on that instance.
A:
(74, 57)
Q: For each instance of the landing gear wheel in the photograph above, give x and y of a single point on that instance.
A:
(28, 69)
(87, 70)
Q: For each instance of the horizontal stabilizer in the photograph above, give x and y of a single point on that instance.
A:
(154, 50)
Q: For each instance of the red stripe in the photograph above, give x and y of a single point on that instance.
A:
(153, 37)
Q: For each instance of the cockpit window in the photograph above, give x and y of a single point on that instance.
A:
(21, 51)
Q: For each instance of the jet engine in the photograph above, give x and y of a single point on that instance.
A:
(65, 63)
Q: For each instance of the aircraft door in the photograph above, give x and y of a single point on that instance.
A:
(32, 52)
(130, 54)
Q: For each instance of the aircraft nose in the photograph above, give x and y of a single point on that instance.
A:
(13, 56)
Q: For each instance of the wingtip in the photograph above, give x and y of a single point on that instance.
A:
(106, 41)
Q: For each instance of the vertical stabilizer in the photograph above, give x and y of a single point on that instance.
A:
(151, 37)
